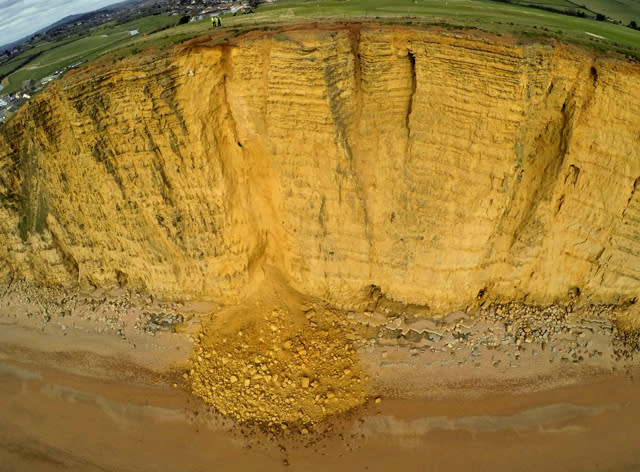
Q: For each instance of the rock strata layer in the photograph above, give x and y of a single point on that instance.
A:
(431, 167)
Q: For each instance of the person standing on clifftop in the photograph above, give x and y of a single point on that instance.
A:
(219, 22)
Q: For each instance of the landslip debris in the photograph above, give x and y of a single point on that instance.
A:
(280, 369)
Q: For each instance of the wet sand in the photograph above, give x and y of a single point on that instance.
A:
(95, 383)
(54, 420)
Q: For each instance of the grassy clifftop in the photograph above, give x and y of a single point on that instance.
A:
(502, 18)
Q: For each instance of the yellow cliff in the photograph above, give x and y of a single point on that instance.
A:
(435, 167)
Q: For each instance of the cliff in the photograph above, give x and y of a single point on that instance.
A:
(437, 167)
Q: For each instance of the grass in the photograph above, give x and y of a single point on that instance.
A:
(562, 6)
(483, 14)
(114, 41)
(15, 63)
(619, 10)
(47, 58)
(623, 10)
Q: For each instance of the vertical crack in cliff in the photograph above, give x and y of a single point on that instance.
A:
(355, 42)
(412, 62)
(590, 92)
(634, 188)
(227, 70)
(405, 225)
(346, 117)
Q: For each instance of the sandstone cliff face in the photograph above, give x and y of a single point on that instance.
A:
(430, 165)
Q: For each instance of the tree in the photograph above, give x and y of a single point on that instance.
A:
(29, 86)
(184, 20)
(633, 24)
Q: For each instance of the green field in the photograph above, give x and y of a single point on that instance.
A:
(623, 10)
(561, 5)
(502, 18)
(482, 14)
(55, 56)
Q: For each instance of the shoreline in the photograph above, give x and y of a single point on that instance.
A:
(101, 389)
